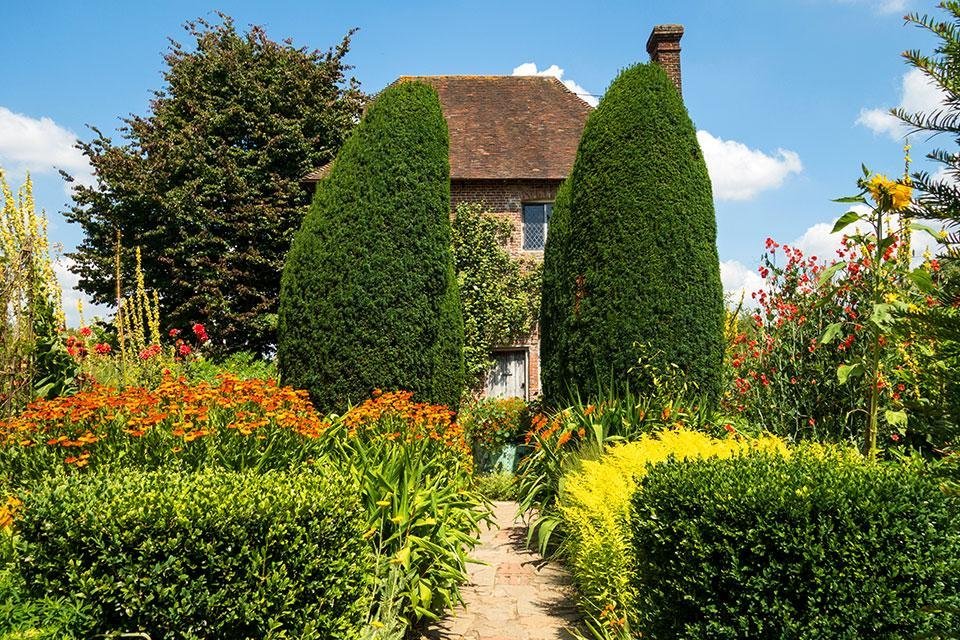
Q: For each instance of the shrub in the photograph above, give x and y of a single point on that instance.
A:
(634, 265)
(496, 486)
(811, 546)
(369, 296)
(210, 554)
(410, 460)
(594, 505)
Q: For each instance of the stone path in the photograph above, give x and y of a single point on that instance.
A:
(514, 595)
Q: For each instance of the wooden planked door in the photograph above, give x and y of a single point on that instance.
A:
(508, 378)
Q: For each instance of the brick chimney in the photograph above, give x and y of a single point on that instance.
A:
(663, 45)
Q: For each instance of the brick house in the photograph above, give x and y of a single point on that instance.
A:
(513, 140)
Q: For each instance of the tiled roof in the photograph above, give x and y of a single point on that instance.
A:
(508, 127)
(318, 174)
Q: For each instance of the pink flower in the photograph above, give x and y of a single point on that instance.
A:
(174, 333)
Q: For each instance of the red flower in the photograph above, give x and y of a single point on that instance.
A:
(895, 437)
(85, 332)
(102, 348)
(185, 350)
(149, 352)
(174, 333)
(200, 332)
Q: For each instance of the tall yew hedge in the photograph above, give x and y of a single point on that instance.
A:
(631, 273)
(369, 296)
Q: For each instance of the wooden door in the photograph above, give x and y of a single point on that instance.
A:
(508, 378)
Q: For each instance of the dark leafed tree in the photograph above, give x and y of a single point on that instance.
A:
(631, 281)
(207, 183)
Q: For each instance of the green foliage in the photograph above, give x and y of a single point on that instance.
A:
(594, 504)
(496, 486)
(631, 260)
(209, 180)
(817, 545)
(562, 440)
(500, 295)
(211, 554)
(492, 423)
(369, 297)
(242, 364)
(422, 515)
(44, 618)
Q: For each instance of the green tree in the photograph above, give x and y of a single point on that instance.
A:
(938, 194)
(369, 295)
(631, 271)
(208, 182)
(500, 295)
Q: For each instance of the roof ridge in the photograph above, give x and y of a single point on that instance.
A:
(492, 76)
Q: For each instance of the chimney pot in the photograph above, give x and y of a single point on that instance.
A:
(663, 45)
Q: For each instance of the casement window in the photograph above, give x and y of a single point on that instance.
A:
(536, 217)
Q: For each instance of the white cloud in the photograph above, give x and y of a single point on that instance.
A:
(739, 172)
(71, 295)
(917, 95)
(530, 69)
(818, 241)
(739, 281)
(40, 145)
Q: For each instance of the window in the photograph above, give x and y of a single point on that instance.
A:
(536, 216)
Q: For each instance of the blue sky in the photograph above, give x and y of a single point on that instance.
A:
(785, 93)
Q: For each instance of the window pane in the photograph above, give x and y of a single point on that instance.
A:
(534, 226)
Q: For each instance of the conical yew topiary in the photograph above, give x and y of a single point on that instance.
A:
(369, 296)
(631, 275)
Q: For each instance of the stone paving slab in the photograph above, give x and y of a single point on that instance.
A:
(514, 595)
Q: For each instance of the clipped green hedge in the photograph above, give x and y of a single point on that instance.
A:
(211, 554)
(812, 546)
(369, 295)
(631, 271)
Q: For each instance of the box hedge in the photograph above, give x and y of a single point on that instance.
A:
(812, 546)
(212, 554)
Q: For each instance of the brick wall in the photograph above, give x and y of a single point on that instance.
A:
(505, 198)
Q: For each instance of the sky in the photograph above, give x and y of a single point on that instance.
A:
(789, 97)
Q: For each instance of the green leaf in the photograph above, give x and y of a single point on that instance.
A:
(922, 278)
(846, 371)
(831, 333)
(895, 418)
(881, 316)
(852, 199)
(829, 272)
(426, 596)
(846, 220)
(925, 229)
